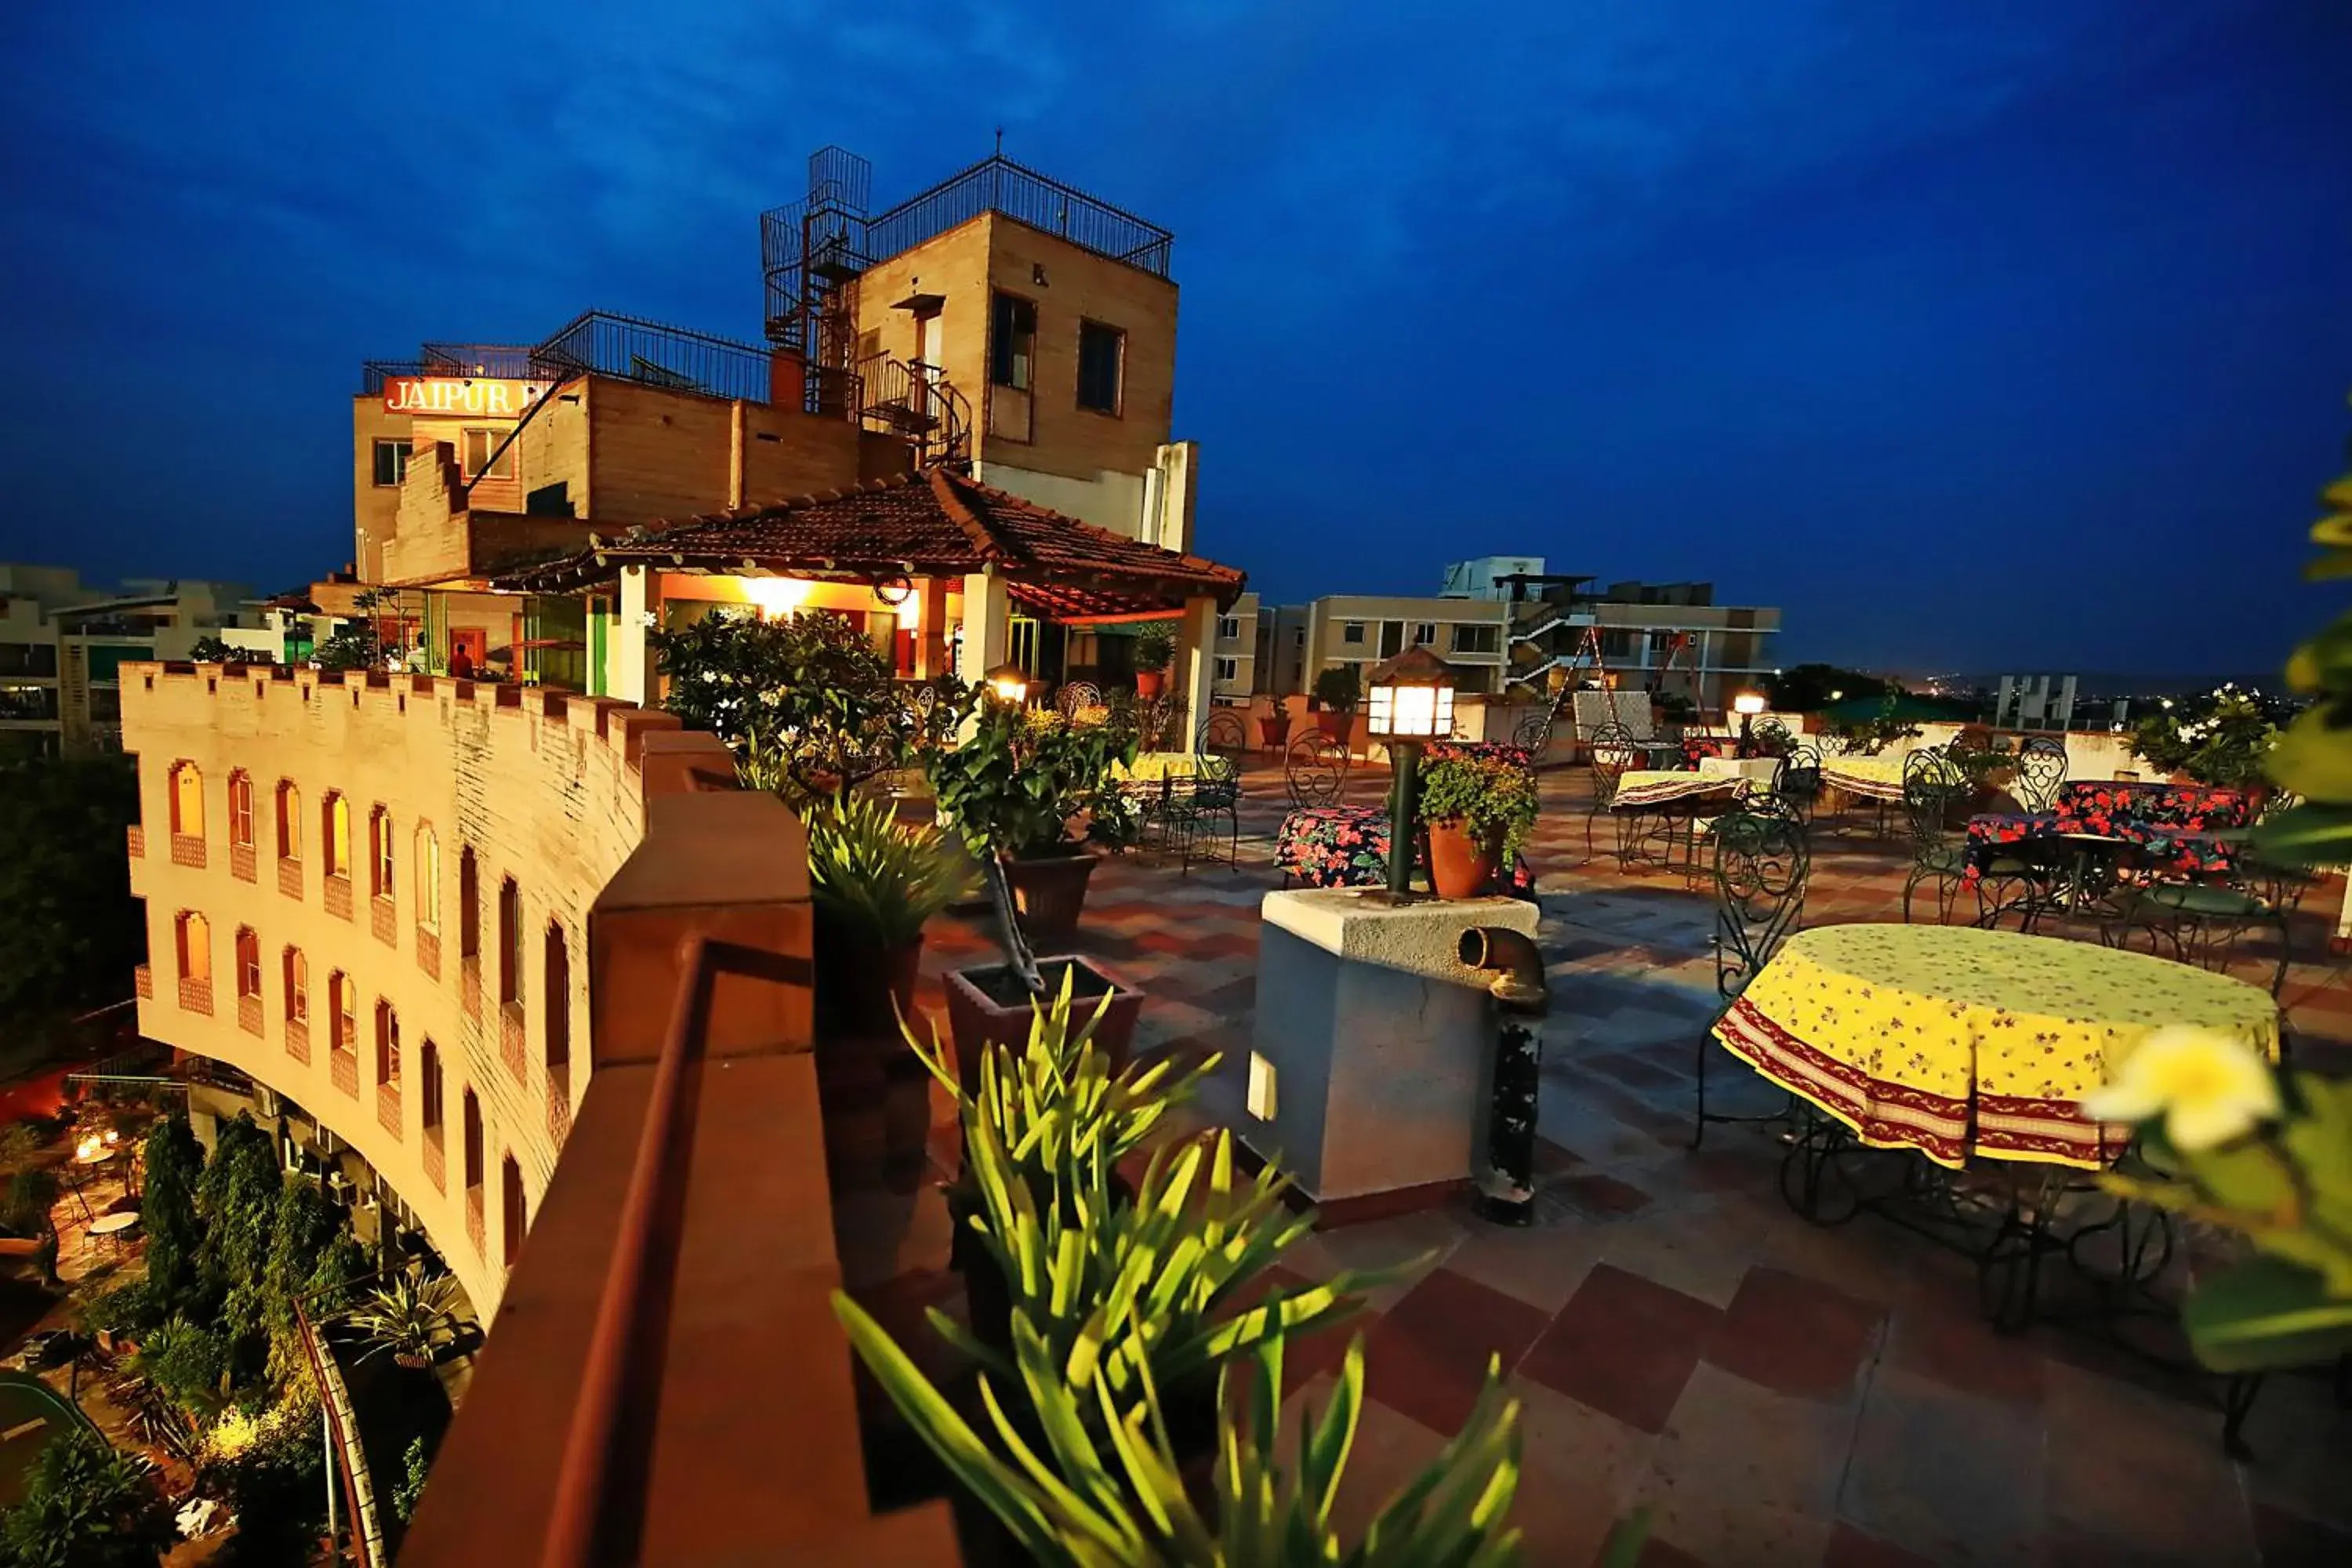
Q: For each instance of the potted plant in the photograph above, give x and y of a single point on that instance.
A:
(408, 1319)
(1478, 808)
(1274, 728)
(1336, 691)
(1019, 791)
(1155, 647)
(876, 882)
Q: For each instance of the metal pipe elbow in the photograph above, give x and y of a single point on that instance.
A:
(1514, 965)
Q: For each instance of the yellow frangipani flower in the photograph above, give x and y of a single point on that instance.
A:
(2209, 1087)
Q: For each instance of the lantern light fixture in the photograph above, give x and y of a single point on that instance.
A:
(1009, 684)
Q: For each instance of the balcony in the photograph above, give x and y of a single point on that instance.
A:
(559, 1103)
(188, 850)
(469, 986)
(137, 835)
(195, 995)
(143, 980)
(297, 1040)
(249, 1016)
(475, 1230)
(343, 1067)
(387, 1108)
(339, 897)
(428, 951)
(290, 877)
(384, 919)
(243, 863)
(434, 1172)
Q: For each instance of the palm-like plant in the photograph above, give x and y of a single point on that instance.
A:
(882, 878)
(1083, 1504)
(408, 1319)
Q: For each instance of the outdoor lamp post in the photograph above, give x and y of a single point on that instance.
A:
(1412, 703)
(1747, 704)
(1009, 684)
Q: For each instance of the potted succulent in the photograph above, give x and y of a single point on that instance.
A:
(1155, 648)
(1336, 691)
(876, 882)
(408, 1319)
(1017, 790)
(1478, 808)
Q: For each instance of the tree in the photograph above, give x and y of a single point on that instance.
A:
(214, 650)
(300, 1237)
(168, 1212)
(416, 1467)
(87, 1506)
(1808, 688)
(238, 1197)
(68, 922)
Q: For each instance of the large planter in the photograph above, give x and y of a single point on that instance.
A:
(1273, 730)
(1461, 865)
(862, 988)
(1335, 723)
(1049, 892)
(1149, 682)
(988, 1005)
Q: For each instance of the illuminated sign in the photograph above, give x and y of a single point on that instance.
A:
(457, 395)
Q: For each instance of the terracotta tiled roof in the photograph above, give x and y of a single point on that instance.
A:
(931, 525)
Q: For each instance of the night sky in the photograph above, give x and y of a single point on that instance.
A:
(2005, 334)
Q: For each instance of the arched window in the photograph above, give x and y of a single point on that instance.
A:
(297, 986)
(387, 1044)
(240, 810)
(290, 821)
(473, 1143)
(194, 935)
(428, 1072)
(470, 907)
(509, 942)
(513, 1220)
(428, 880)
(248, 963)
(558, 999)
(187, 800)
(335, 834)
(342, 1013)
(380, 856)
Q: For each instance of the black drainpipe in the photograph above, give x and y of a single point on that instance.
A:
(1516, 983)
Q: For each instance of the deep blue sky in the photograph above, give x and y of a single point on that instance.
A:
(2003, 334)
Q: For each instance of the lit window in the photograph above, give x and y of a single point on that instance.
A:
(1012, 341)
(1102, 363)
(240, 809)
(335, 824)
(482, 445)
(290, 821)
(248, 963)
(298, 986)
(428, 880)
(380, 852)
(390, 461)
(187, 800)
(194, 936)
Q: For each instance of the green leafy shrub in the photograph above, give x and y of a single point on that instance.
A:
(880, 876)
(191, 1363)
(1014, 785)
(1493, 797)
(86, 1506)
(2220, 738)
(1339, 689)
(175, 1162)
(1155, 646)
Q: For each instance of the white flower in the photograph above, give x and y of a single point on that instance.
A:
(2209, 1087)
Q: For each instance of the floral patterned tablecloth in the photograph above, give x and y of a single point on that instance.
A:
(1958, 1042)
(1348, 846)
(2177, 849)
(2089, 806)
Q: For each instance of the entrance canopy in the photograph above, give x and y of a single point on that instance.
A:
(929, 525)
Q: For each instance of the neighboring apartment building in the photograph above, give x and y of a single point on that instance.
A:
(1235, 677)
(63, 644)
(1363, 629)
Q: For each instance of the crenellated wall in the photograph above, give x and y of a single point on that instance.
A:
(541, 790)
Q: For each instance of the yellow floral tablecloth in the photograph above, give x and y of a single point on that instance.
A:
(1880, 778)
(1152, 766)
(1652, 786)
(1956, 1041)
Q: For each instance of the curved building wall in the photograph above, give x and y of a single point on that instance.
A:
(328, 950)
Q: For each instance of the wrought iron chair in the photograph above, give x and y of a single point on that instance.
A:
(1315, 770)
(1215, 788)
(2204, 923)
(1930, 787)
(1762, 866)
(1076, 697)
(2041, 773)
(1800, 781)
(1611, 753)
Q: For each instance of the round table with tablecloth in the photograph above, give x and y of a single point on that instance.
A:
(1645, 788)
(1873, 778)
(1960, 1042)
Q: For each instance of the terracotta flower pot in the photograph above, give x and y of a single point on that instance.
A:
(861, 988)
(988, 1006)
(1148, 683)
(1335, 722)
(1273, 730)
(1461, 866)
(1049, 893)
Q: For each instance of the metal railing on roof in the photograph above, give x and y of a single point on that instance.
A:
(997, 184)
(599, 343)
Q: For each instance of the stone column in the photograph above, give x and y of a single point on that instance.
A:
(632, 656)
(1196, 662)
(987, 625)
(931, 631)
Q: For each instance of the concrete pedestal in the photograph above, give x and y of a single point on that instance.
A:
(1371, 1065)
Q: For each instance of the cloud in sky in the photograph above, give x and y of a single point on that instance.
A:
(1826, 300)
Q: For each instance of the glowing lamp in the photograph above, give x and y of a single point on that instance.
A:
(1412, 702)
(1747, 704)
(1009, 684)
